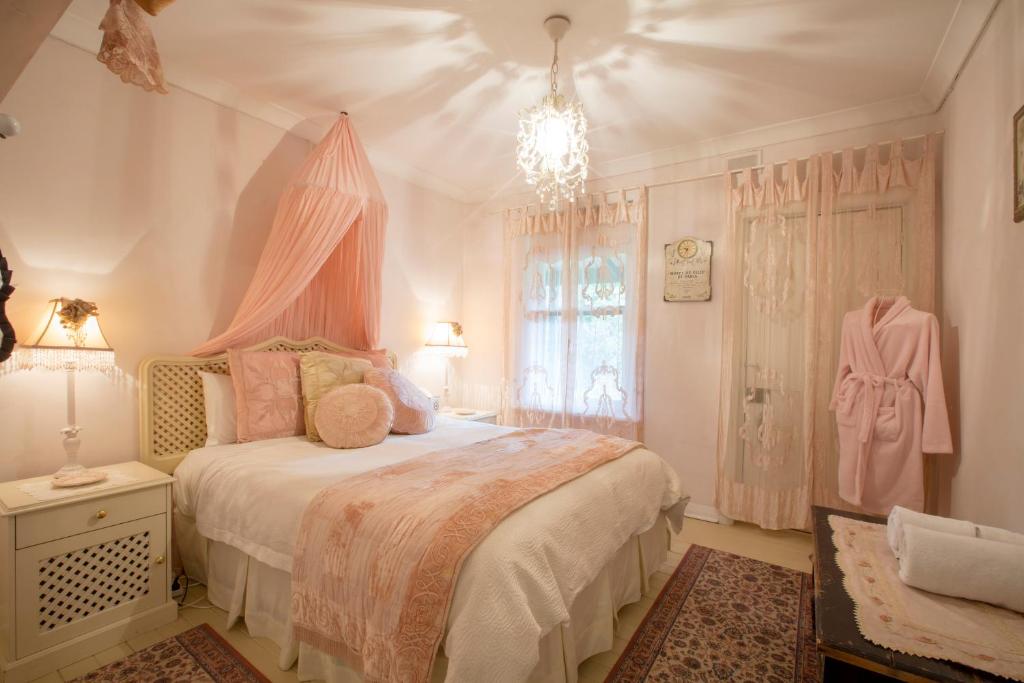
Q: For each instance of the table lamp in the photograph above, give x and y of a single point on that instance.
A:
(71, 341)
(446, 339)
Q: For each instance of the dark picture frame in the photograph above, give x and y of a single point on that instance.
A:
(1018, 166)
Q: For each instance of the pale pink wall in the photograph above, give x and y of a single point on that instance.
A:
(983, 279)
(422, 277)
(157, 208)
(684, 339)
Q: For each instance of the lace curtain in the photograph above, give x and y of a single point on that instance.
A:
(575, 303)
(809, 241)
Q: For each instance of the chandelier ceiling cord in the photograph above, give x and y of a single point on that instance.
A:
(551, 148)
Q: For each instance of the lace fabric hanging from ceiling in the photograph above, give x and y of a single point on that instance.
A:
(129, 49)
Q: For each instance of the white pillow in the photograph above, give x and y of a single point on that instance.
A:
(219, 397)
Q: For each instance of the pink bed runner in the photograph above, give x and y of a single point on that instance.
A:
(894, 615)
(378, 555)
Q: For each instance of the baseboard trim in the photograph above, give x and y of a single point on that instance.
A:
(706, 513)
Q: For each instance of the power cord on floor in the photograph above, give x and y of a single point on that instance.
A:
(184, 595)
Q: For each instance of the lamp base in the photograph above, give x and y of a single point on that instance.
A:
(76, 475)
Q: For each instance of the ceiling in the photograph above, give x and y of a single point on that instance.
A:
(434, 86)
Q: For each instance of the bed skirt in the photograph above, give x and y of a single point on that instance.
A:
(248, 589)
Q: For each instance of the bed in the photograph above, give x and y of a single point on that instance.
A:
(534, 599)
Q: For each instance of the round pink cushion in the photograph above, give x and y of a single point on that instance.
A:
(354, 416)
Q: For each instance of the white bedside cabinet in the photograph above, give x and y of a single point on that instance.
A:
(488, 416)
(82, 572)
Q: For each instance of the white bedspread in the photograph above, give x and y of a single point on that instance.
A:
(517, 584)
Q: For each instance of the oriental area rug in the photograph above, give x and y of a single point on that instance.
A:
(722, 617)
(199, 655)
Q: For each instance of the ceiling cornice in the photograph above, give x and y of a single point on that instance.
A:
(964, 29)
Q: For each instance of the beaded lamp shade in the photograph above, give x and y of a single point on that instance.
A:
(71, 338)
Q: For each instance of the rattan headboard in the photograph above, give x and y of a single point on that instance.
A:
(172, 414)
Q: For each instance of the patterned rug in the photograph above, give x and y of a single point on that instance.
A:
(199, 655)
(722, 617)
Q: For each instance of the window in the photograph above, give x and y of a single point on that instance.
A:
(575, 292)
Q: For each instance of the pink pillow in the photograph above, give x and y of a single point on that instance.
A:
(268, 394)
(414, 411)
(354, 416)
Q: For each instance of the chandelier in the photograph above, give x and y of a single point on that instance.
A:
(551, 148)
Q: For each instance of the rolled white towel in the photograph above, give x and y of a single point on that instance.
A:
(963, 566)
(900, 517)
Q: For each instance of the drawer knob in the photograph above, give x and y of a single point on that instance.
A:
(159, 559)
(102, 514)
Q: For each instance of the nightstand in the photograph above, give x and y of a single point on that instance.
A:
(488, 416)
(83, 569)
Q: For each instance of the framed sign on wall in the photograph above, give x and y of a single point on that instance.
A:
(688, 270)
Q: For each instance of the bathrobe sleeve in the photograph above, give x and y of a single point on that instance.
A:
(845, 355)
(926, 373)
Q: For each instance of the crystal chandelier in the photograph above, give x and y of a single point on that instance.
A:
(551, 148)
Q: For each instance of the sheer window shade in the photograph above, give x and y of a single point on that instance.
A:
(575, 304)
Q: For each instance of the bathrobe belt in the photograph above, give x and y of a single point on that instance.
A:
(874, 391)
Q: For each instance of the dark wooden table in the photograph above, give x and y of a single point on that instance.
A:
(844, 654)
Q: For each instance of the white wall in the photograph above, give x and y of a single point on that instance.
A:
(157, 208)
(683, 339)
(983, 279)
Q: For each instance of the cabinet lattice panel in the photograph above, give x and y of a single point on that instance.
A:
(90, 580)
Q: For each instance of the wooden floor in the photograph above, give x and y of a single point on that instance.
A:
(787, 548)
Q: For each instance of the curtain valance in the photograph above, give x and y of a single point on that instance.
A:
(626, 206)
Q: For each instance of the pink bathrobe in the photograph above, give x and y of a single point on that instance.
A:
(889, 403)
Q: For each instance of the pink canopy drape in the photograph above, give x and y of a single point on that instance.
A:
(320, 271)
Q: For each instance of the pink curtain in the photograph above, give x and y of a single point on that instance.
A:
(877, 230)
(807, 242)
(320, 271)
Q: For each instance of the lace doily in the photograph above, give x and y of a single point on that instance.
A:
(898, 617)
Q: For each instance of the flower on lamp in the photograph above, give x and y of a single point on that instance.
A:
(73, 315)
